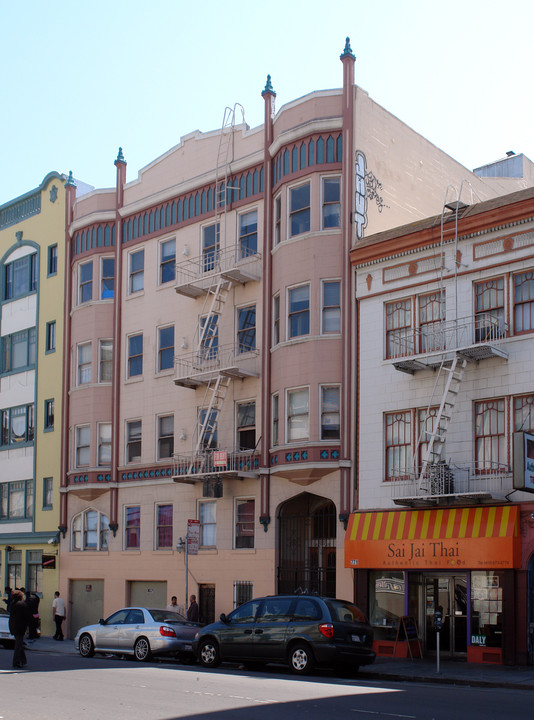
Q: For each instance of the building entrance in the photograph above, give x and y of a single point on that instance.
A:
(447, 593)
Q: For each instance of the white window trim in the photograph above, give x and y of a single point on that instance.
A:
(328, 176)
(78, 348)
(288, 289)
(322, 330)
(100, 341)
(133, 252)
(295, 186)
(160, 259)
(234, 524)
(101, 276)
(76, 446)
(320, 411)
(156, 526)
(158, 418)
(286, 414)
(163, 371)
(99, 442)
(204, 502)
(126, 424)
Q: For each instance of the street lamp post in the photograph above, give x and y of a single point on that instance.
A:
(183, 544)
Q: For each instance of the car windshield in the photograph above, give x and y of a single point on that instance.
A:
(344, 611)
(166, 616)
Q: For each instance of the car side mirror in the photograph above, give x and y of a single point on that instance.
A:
(224, 619)
(102, 621)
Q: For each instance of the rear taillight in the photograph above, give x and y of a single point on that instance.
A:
(326, 629)
(166, 631)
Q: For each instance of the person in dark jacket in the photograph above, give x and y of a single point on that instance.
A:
(19, 617)
(32, 601)
(192, 610)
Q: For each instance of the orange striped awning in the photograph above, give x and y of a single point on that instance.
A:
(478, 537)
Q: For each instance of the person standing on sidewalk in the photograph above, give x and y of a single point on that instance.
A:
(192, 610)
(58, 612)
(19, 617)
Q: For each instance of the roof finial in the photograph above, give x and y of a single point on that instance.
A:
(70, 180)
(120, 156)
(347, 52)
(268, 87)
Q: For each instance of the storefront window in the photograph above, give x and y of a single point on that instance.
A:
(386, 602)
(486, 608)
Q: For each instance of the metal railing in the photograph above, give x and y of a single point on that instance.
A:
(207, 462)
(448, 480)
(445, 336)
(213, 359)
(200, 270)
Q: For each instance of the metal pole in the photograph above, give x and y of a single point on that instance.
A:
(186, 571)
(437, 650)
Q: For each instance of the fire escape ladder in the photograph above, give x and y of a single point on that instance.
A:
(211, 407)
(436, 438)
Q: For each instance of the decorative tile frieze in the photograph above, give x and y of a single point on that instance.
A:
(412, 268)
(505, 244)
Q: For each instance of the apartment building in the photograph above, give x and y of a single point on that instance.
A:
(32, 252)
(445, 519)
(210, 368)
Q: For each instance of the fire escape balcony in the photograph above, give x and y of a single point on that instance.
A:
(446, 484)
(477, 337)
(196, 276)
(212, 465)
(207, 363)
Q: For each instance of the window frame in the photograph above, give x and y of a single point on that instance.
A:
(295, 212)
(523, 303)
(51, 262)
(292, 416)
(48, 493)
(248, 428)
(330, 203)
(166, 261)
(246, 333)
(25, 265)
(209, 255)
(109, 292)
(330, 309)
(136, 274)
(276, 320)
(101, 531)
(10, 349)
(398, 470)
(132, 527)
(8, 491)
(50, 338)
(323, 412)
(134, 356)
(163, 350)
(82, 445)
(300, 315)
(494, 307)
(248, 238)
(103, 443)
(49, 415)
(85, 285)
(277, 217)
(103, 345)
(275, 419)
(208, 525)
(82, 365)
(245, 525)
(486, 443)
(131, 440)
(161, 527)
(8, 416)
(164, 438)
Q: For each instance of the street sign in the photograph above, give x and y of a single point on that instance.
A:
(193, 536)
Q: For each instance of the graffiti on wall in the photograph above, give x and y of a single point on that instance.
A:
(367, 188)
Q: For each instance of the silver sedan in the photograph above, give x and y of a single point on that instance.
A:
(6, 638)
(138, 631)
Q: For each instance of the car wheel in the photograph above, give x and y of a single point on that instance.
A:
(86, 646)
(208, 654)
(301, 660)
(142, 650)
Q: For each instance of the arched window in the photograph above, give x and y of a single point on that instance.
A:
(320, 151)
(90, 531)
(302, 156)
(255, 182)
(286, 162)
(339, 147)
(311, 153)
(294, 159)
(330, 149)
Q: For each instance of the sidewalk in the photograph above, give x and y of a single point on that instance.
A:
(417, 670)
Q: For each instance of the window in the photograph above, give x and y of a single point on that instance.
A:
(208, 524)
(330, 413)
(167, 265)
(298, 415)
(524, 302)
(135, 355)
(84, 363)
(276, 421)
(431, 317)
(331, 203)
(277, 220)
(49, 415)
(208, 428)
(524, 414)
(16, 501)
(90, 531)
(166, 348)
(137, 271)
(399, 340)
(104, 444)
(299, 210)
(105, 361)
(331, 319)
(18, 350)
(407, 332)
(243, 592)
(51, 336)
(248, 234)
(489, 309)
(52, 260)
(132, 527)
(244, 523)
(246, 425)
(276, 319)
(20, 277)
(18, 425)
(209, 334)
(246, 329)
(398, 444)
(490, 440)
(34, 570)
(48, 493)
(210, 247)
(83, 436)
(163, 526)
(165, 436)
(426, 425)
(107, 282)
(298, 320)
(133, 441)
(85, 287)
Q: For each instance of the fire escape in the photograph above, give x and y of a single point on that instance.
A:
(449, 348)
(211, 367)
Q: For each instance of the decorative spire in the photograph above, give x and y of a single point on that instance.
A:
(347, 52)
(268, 87)
(120, 157)
(70, 180)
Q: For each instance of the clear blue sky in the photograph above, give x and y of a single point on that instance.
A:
(81, 78)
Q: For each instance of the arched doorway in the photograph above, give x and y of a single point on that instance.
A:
(307, 545)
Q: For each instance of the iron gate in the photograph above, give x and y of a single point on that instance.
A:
(307, 545)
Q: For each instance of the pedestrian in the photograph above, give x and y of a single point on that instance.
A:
(7, 598)
(58, 613)
(33, 600)
(192, 610)
(174, 607)
(19, 617)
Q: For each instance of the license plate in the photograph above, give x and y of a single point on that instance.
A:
(356, 638)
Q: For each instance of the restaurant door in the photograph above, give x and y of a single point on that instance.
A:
(449, 594)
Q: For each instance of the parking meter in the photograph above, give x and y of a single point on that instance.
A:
(438, 620)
